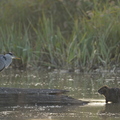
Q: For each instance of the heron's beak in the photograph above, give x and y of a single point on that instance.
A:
(14, 57)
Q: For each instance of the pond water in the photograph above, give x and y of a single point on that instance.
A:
(82, 86)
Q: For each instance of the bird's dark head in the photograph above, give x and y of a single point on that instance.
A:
(11, 55)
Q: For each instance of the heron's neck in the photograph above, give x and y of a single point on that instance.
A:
(8, 61)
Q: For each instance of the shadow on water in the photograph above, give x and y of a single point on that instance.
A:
(81, 86)
(110, 110)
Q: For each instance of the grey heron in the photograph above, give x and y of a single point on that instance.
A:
(6, 60)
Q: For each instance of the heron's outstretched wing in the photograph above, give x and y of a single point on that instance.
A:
(2, 64)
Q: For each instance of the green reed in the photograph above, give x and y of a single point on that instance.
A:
(67, 34)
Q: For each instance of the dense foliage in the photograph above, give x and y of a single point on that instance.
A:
(61, 33)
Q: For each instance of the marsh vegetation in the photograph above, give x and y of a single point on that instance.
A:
(60, 33)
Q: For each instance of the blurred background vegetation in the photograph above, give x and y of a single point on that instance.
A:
(77, 34)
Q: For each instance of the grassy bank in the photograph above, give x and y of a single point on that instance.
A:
(61, 33)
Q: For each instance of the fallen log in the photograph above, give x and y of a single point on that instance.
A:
(19, 96)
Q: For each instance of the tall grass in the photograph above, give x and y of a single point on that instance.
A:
(61, 34)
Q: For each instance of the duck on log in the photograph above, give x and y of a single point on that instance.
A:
(19, 96)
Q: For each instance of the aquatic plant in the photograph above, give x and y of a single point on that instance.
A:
(67, 34)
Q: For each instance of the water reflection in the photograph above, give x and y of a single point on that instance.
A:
(81, 86)
(49, 112)
(111, 110)
(35, 112)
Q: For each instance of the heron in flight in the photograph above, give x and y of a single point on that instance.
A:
(6, 60)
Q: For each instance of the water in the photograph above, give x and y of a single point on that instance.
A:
(81, 86)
